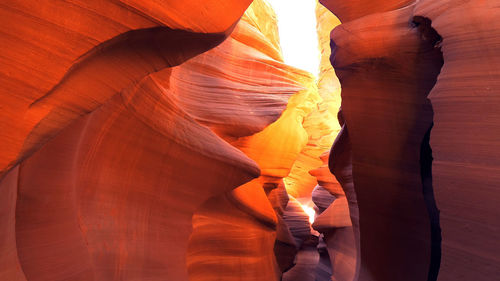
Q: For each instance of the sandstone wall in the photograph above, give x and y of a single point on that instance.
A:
(419, 80)
(121, 147)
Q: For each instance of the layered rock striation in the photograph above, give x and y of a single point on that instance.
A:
(321, 124)
(52, 63)
(132, 147)
(418, 81)
(463, 140)
(340, 233)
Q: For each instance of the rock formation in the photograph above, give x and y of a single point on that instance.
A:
(118, 149)
(168, 140)
(65, 47)
(387, 55)
(321, 124)
(334, 221)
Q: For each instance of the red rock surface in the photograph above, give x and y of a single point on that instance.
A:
(160, 140)
(64, 48)
(125, 191)
(104, 200)
(386, 130)
(321, 124)
(215, 252)
(340, 233)
(387, 67)
(354, 9)
(465, 137)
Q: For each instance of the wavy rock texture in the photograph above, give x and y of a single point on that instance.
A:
(377, 58)
(354, 9)
(154, 140)
(307, 255)
(321, 124)
(388, 62)
(285, 247)
(274, 149)
(334, 221)
(251, 210)
(131, 189)
(52, 67)
(64, 47)
(464, 139)
(112, 196)
(322, 198)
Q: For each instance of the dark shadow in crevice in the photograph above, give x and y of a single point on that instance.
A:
(431, 36)
(430, 202)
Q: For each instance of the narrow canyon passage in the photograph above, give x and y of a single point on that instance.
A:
(252, 140)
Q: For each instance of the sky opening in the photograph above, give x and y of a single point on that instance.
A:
(297, 30)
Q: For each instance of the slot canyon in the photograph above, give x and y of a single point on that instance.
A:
(168, 140)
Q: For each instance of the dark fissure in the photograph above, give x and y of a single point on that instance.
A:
(426, 174)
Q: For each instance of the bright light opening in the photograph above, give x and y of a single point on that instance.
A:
(310, 212)
(297, 31)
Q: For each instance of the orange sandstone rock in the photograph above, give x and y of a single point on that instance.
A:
(241, 108)
(387, 67)
(321, 124)
(113, 195)
(61, 60)
(338, 222)
(350, 10)
(463, 100)
(465, 136)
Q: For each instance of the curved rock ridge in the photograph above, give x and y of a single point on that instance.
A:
(321, 124)
(263, 17)
(388, 57)
(138, 158)
(354, 9)
(230, 244)
(275, 149)
(387, 67)
(465, 137)
(65, 47)
(242, 107)
(336, 220)
(322, 198)
(235, 104)
(285, 247)
(112, 196)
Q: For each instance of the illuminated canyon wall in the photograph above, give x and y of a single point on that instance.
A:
(148, 141)
(168, 140)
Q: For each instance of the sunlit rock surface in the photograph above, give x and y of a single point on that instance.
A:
(387, 55)
(275, 149)
(321, 124)
(167, 140)
(104, 200)
(126, 162)
(52, 63)
(256, 211)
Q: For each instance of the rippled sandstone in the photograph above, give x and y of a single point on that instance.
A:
(387, 57)
(120, 149)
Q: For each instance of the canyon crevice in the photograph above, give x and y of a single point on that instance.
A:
(170, 140)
